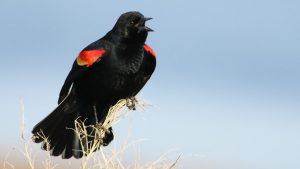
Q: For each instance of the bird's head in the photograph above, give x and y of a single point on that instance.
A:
(131, 25)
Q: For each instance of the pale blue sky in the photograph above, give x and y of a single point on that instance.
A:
(226, 85)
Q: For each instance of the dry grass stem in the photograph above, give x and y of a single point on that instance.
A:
(27, 149)
(6, 163)
(91, 140)
(47, 163)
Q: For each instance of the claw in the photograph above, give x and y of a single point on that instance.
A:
(131, 102)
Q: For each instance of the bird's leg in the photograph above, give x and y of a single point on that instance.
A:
(98, 125)
(131, 102)
(101, 121)
(95, 114)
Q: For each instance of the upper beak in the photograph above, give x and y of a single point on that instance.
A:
(147, 19)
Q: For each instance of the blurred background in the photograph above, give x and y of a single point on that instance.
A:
(225, 92)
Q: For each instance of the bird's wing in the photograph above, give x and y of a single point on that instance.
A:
(148, 67)
(149, 60)
(83, 62)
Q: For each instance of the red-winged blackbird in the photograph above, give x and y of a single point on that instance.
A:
(115, 67)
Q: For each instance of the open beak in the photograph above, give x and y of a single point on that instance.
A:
(142, 27)
(147, 28)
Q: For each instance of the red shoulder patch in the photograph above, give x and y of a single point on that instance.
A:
(88, 57)
(150, 50)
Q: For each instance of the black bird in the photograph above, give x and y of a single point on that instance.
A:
(115, 67)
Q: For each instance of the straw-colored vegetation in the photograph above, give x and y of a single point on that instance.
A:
(101, 159)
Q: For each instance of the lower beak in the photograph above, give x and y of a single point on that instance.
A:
(149, 29)
(144, 29)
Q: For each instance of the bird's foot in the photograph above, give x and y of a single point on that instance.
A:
(131, 102)
(98, 125)
(102, 133)
(35, 137)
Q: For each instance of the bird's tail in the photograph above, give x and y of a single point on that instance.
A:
(58, 129)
